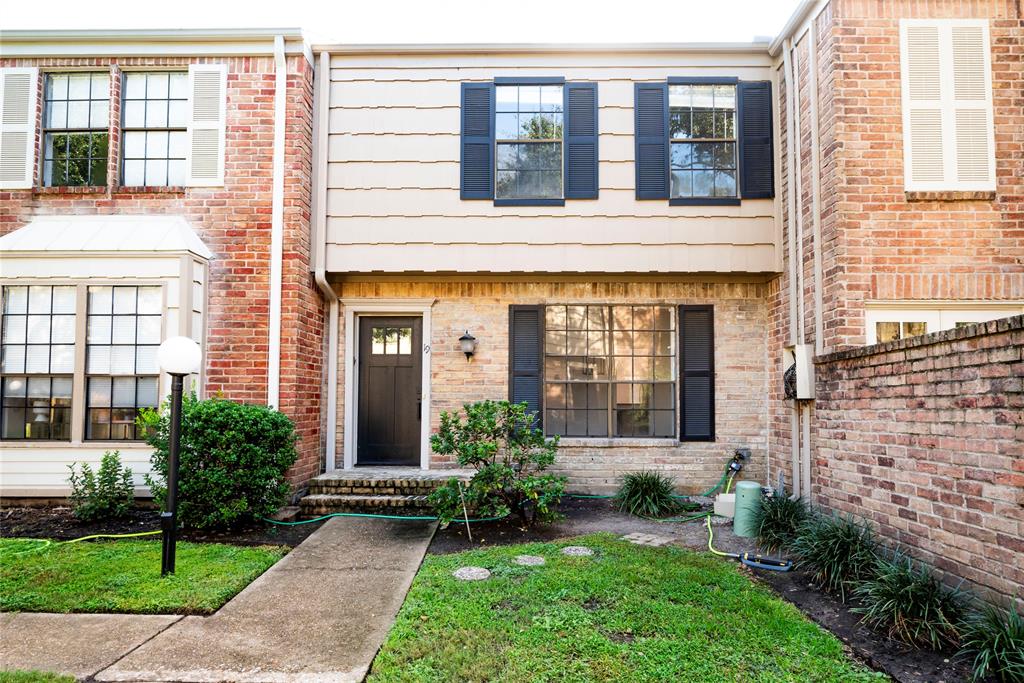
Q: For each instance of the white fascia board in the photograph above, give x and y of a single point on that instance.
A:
(756, 47)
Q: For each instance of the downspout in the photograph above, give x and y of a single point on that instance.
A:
(277, 226)
(794, 417)
(812, 71)
(321, 112)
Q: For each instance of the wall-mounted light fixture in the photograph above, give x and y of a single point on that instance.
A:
(467, 343)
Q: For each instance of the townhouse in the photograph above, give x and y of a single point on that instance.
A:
(791, 248)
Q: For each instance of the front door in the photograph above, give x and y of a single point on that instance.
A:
(390, 391)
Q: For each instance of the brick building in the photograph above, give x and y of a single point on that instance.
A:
(647, 243)
(152, 184)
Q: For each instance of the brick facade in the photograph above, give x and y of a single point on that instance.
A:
(595, 465)
(913, 435)
(235, 223)
(925, 437)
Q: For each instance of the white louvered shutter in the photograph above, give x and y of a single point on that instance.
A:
(18, 87)
(206, 125)
(948, 139)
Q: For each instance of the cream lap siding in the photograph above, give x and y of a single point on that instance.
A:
(393, 176)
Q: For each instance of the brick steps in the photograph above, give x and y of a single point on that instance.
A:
(325, 504)
(377, 490)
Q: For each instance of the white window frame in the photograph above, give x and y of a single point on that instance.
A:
(947, 105)
(936, 316)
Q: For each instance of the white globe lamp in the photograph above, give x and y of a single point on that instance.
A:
(179, 356)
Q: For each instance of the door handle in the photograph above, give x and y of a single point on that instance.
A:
(419, 408)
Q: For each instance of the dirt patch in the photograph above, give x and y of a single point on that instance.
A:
(902, 663)
(59, 523)
(591, 604)
(620, 637)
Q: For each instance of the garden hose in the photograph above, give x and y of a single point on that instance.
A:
(46, 542)
(749, 559)
(430, 518)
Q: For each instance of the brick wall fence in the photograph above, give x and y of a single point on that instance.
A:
(925, 438)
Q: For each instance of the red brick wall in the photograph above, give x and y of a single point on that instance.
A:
(925, 437)
(235, 222)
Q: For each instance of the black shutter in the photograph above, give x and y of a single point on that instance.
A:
(581, 141)
(477, 155)
(526, 356)
(757, 157)
(697, 373)
(651, 136)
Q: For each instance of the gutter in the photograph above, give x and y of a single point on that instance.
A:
(318, 247)
(795, 21)
(753, 47)
(277, 227)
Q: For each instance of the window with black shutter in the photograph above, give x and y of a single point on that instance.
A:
(529, 141)
(704, 140)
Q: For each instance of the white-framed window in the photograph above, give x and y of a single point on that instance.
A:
(946, 76)
(155, 111)
(889, 323)
(528, 124)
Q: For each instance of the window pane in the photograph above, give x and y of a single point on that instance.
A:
(123, 392)
(124, 299)
(914, 329)
(122, 360)
(134, 114)
(554, 317)
(15, 299)
(37, 359)
(62, 359)
(551, 98)
(123, 329)
(506, 127)
(148, 330)
(506, 98)
(14, 329)
(63, 329)
(12, 359)
(887, 331)
(147, 392)
(39, 299)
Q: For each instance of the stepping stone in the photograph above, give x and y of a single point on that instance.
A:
(639, 538)
(577, 551)
(471, 574)
(529, 560)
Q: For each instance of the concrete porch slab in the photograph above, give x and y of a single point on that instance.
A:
(320, 614)
(78, 645)
(386, 473)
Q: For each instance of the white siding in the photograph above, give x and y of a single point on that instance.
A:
(393, 176)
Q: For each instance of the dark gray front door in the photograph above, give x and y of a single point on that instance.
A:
(390, 391)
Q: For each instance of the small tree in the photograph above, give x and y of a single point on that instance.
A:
(499, 440)
(232, 461)
(102, 495)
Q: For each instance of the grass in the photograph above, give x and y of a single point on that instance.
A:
(34, 677)
(628, 613)
(124, 576)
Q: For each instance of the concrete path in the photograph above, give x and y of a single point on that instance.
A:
(76, 644)
(320, 614)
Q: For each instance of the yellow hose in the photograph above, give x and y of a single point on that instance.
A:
(711, 537)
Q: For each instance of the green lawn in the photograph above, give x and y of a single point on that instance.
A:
(124, 576)
(628, 613)
(33, 677)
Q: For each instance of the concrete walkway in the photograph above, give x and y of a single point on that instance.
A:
(320, 614)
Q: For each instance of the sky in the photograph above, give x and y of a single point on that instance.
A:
(426, 21)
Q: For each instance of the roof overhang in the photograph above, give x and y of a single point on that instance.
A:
(150, 43)
(92, 236)
(757, 47)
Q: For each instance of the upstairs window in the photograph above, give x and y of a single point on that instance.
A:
(76, 124)
(155, 114)
(528, 135)
(702, 131)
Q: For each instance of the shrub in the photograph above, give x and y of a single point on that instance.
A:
(907, 602)
(232, 461)
(839, 551)
(993, 641)
(777, 520)
(102, 495)
(647, 494)
(499, 440)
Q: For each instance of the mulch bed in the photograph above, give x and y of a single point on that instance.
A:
(59, 523)
(902, 663)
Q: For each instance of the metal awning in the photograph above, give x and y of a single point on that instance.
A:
(111, 235)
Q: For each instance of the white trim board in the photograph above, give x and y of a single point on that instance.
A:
(354, 309)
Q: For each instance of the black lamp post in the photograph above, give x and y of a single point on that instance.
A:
(179, 357)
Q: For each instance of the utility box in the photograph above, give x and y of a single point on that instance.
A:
(798, 371)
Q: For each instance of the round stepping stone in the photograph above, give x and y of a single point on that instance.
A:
(471, 574)
(577, 551)
(529, 560)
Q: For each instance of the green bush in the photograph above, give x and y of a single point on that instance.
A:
(777, 519)
(232, 461)
(647, 494)
(839, 551)
(102, 495)
(498, 439)
(905, 600)
(993, 642)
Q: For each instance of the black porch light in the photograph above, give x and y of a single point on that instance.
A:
(467, 343)
(178, 357)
